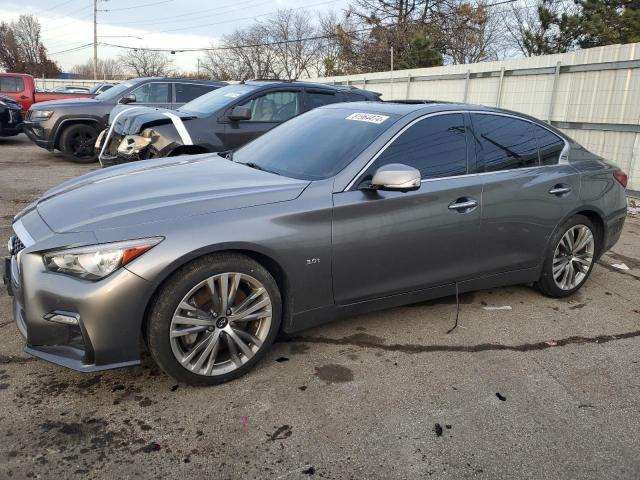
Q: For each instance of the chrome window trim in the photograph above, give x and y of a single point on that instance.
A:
(26, 239)
(563, 159)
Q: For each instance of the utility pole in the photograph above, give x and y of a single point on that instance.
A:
(95, 39)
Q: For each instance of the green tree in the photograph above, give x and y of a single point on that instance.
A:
(607, 22)
(421, 53)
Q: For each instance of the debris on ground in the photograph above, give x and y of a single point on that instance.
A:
(438, 429)
(502, 398)
(551, 343)
(309, 471)
(245, 420)
(282, 359)
(620, 266)
(503, 307)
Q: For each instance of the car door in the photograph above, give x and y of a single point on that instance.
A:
(528, 188)
(268, 110)
(14, 87)
(393, 242)
(184, 92)
(153, 94)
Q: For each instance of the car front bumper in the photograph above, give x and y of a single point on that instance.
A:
(108, 314)
(38, 133)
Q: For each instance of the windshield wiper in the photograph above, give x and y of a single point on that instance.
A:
(228, 154)
(254, 165)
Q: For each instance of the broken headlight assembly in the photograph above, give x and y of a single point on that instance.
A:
(132, 144)
(97, 261)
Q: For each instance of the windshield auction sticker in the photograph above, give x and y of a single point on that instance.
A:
(368, 117)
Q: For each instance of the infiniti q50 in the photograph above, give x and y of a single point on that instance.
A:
(344, 209)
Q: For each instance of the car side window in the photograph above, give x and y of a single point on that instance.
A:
(436, 146)
(504, 143)
(156, 92)
(185, 92)
(11, 84)
(274, 106)
(318, 99)
(550, 146)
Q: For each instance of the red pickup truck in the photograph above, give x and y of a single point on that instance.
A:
(22, 88)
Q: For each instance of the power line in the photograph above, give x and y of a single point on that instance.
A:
(136, 6)
(73, 49)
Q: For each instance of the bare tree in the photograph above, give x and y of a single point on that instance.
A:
(242, 55)
(21, 48)
(294, 43)
(147, 63)
(108, 68)
(473, 33)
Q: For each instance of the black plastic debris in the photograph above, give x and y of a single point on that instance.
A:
(282, 359)
(309, 471)
(502, 398)
(438, 429)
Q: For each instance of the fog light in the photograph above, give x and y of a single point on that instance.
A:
(67, 318)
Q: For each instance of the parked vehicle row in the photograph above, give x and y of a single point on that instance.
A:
(221, 120)
(22, 88)
(343, 209)
(72, 126)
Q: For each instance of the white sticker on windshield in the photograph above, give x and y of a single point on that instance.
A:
(368, 117)
(232, 95)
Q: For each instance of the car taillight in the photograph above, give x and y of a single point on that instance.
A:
(621, 177)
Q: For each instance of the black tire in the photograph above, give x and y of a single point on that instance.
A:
(173, 291)
(546, 284)
(77, 143)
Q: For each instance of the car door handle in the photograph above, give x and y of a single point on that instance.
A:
(463, 205)
(560, 189)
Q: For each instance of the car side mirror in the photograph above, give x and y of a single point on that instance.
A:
(131, 98)
(396, 177)
(240, 113)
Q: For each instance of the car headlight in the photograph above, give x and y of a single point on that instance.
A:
(97, 261)
(133, 144)
(40, 114)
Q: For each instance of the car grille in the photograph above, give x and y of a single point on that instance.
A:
(28, 115)
(16, 245)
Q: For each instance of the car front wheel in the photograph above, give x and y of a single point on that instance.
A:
(214, 319)
(77, 142)
(570, 258)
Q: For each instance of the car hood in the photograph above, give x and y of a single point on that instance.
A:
(130, 119)
(157, 190)
(65, 103)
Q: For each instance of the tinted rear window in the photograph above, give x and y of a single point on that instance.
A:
(318, 99)
(550, 146)
(11, 84)
(315, 145)
(185, 92)
(504, 143)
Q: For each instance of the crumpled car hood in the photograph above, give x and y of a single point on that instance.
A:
(135, 119)
(158, 190)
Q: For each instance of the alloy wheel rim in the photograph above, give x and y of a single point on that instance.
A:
(220, 324)
(573, 257)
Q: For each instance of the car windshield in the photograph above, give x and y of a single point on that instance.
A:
(115, 91)
(315, 145)
(213, 101)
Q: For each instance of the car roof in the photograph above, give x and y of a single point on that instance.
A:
(300, 83)
(403, 108)
(176, 79)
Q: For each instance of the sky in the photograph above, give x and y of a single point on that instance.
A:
(173, 24)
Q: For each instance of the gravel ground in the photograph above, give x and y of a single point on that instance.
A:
(385, 395)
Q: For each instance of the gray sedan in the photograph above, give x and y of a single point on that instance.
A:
(345, 209)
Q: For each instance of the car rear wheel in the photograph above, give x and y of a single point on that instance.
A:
(570, 258)
(214, 319)
(77, 142)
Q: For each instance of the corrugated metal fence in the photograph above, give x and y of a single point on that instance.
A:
(593, 95)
